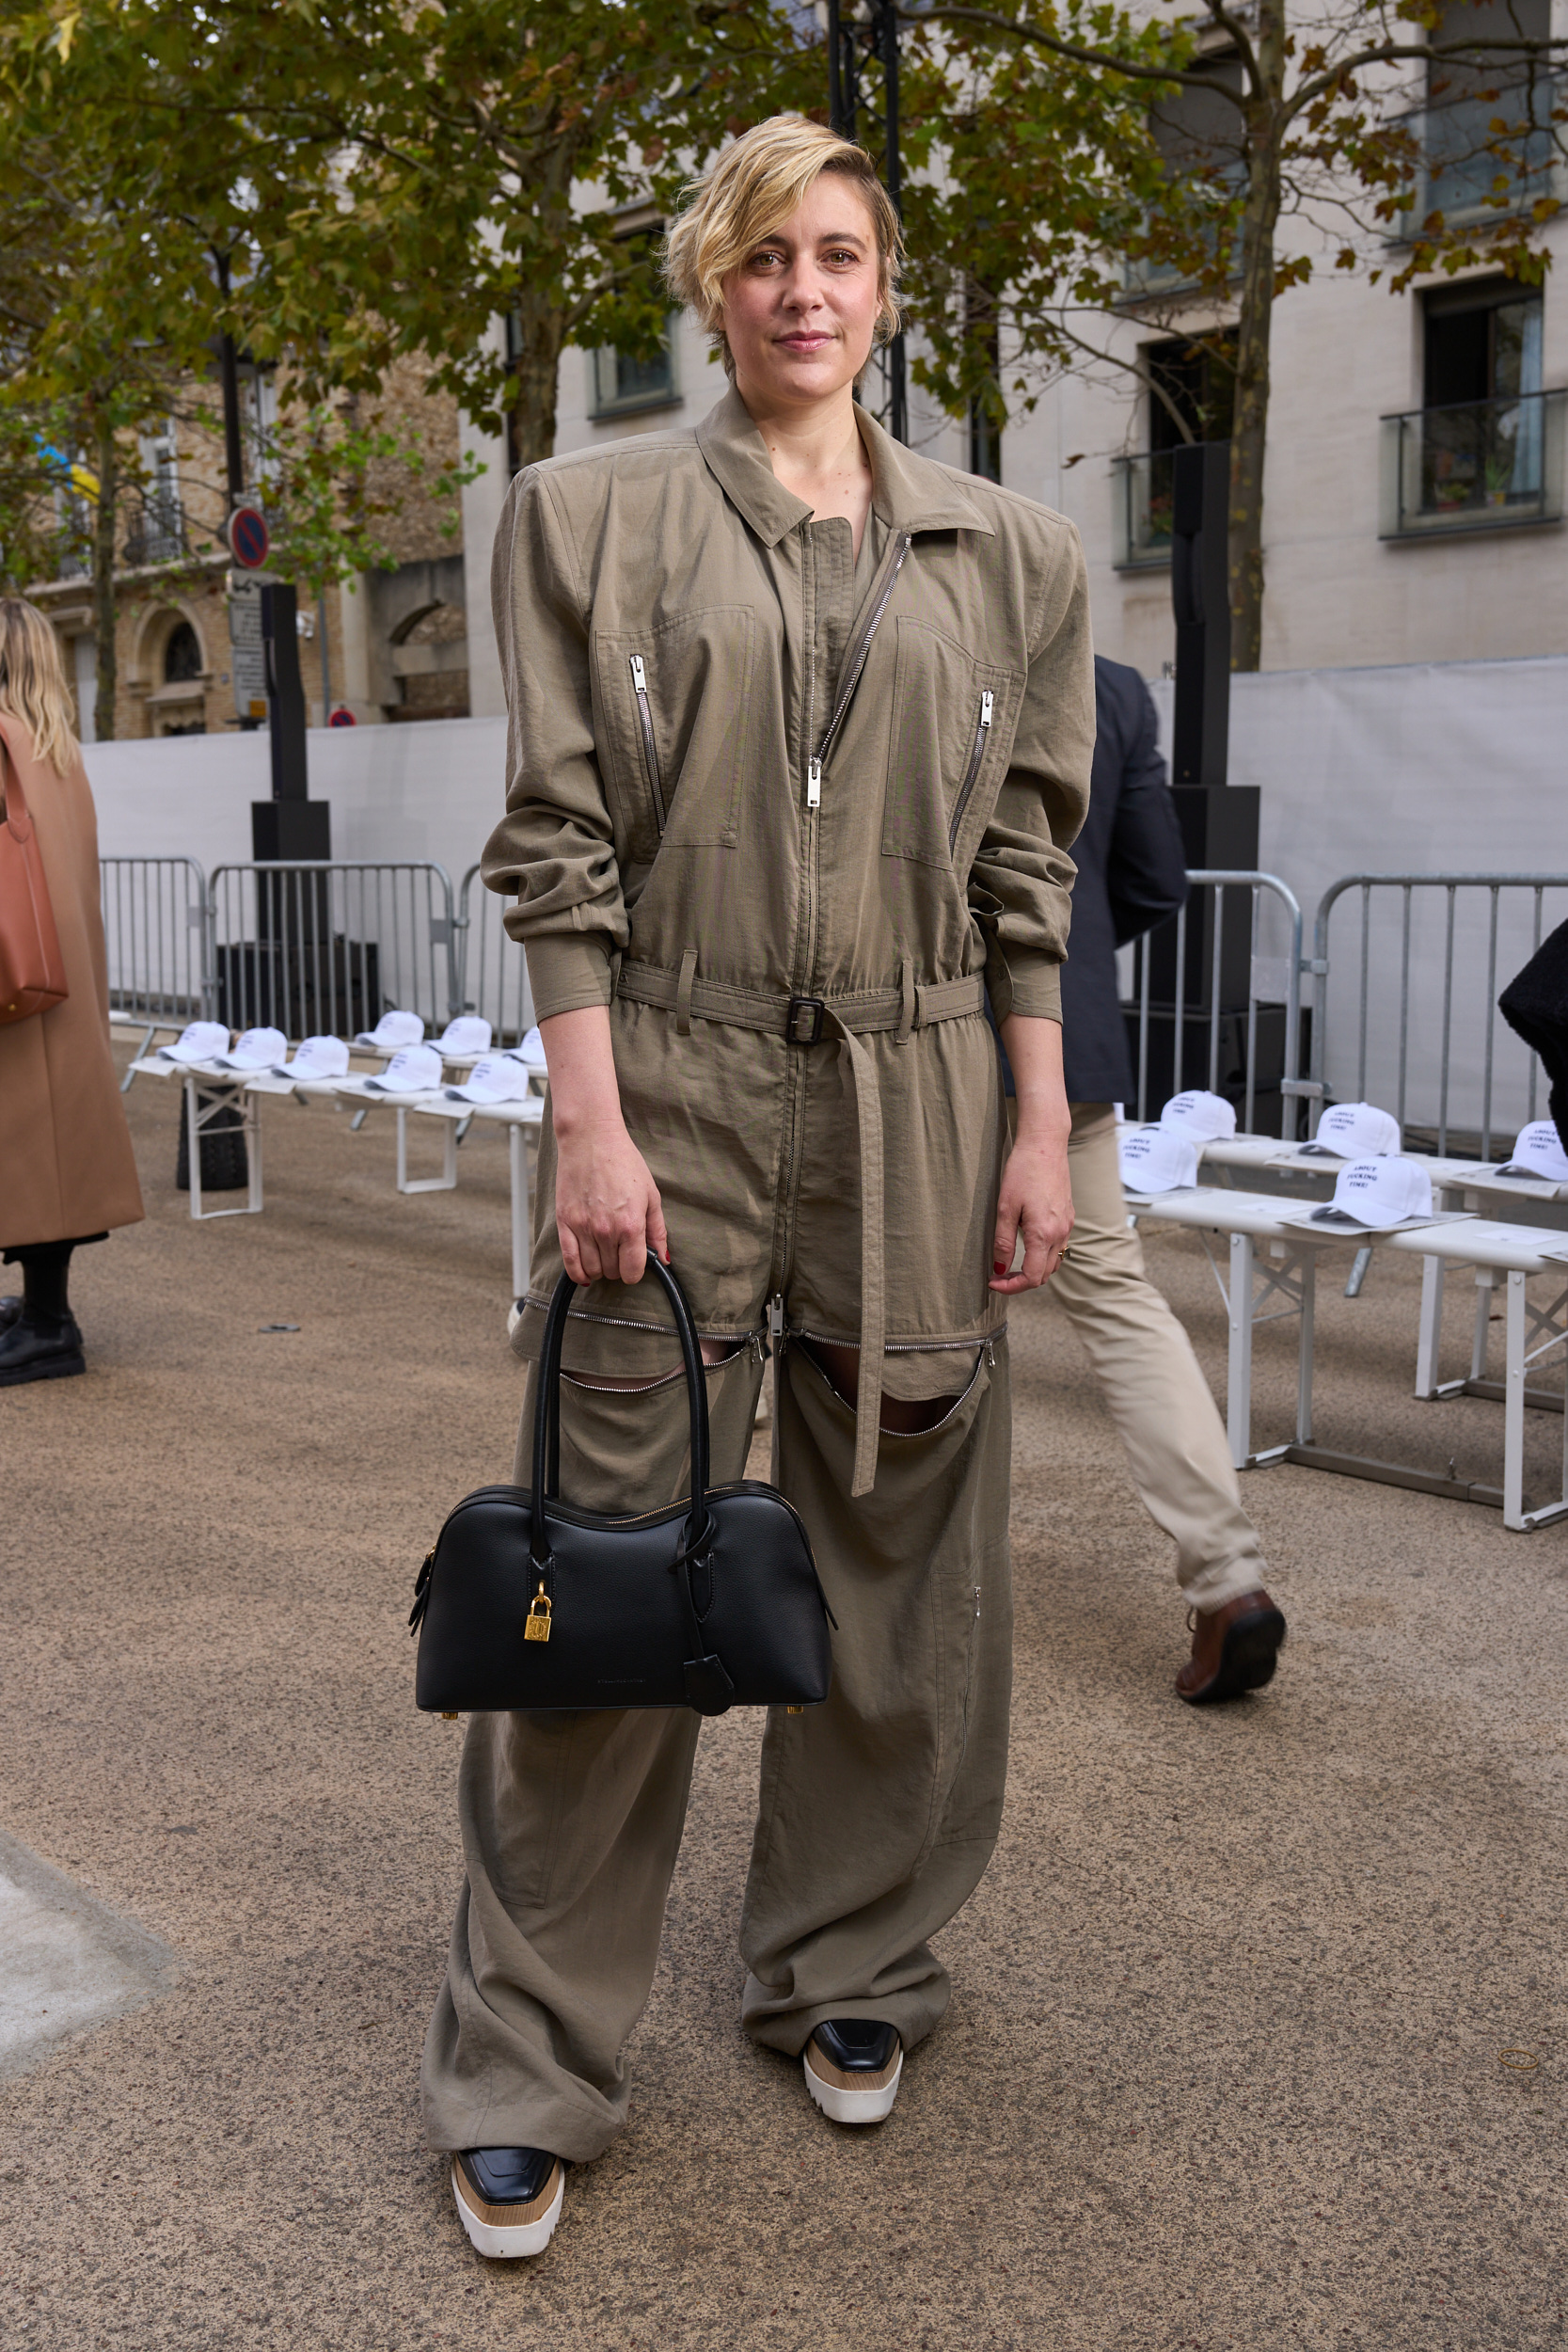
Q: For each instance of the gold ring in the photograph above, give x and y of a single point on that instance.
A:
(1518, 2061)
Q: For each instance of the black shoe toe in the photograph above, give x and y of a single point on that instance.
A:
(858, 2045)
(509, 2176)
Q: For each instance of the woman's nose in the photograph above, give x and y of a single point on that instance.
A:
(802, 287)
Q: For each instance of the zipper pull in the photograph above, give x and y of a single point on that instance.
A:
(639, 675)
(775, 1316)
(814, 784)
(987, 699)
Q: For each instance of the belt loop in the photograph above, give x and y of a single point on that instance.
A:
(905, 992)
(683, 992)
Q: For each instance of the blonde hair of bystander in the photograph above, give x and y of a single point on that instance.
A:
(751, 192)
(32, 683)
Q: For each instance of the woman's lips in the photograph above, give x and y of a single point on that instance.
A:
(805, 342)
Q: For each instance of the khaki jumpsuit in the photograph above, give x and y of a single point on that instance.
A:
(783, 812)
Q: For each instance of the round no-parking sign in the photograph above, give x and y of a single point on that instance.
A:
(248, 538)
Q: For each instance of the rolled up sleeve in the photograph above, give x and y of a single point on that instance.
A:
(1020, 883)
(553, 851)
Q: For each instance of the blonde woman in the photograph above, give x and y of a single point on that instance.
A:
(66, 1171)
(802, 725)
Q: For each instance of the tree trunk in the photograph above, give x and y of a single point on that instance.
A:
(1250, 426)
(540, 331)
(104, 581)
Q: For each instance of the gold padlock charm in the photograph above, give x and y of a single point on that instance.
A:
(536, 1625)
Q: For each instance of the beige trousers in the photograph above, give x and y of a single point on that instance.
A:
(1158, 1396)
(877, 1811)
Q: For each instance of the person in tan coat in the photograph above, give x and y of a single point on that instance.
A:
(66, 1171)
(800, 735)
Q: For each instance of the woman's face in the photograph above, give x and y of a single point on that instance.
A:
(800, 310)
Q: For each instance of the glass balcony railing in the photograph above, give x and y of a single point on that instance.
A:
(1480, 466)
(1142, 495)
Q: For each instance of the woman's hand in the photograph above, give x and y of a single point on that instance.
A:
(608, 1212)
(1036, 1198)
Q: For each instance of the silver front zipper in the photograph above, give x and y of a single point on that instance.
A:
(982, 728)
(854, 658)
(645, 717)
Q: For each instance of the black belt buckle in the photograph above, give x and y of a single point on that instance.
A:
(803, 1021)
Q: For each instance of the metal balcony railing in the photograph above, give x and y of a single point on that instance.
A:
(1143, 498)
(1481, 465)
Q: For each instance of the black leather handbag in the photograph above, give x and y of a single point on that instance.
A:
(529, 1602)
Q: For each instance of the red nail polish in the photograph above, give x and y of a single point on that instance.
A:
(997, 1267)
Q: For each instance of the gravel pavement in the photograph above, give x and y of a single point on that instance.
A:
(1225, 2064)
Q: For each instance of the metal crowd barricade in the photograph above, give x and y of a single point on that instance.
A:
(494, 968)
(1272, 983)
(324, 949)
(156, 941)
(1440, 1068)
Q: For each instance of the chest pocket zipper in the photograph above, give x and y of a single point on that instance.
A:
(982, 729)
(645, 720)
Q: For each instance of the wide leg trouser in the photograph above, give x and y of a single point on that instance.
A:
(1152, 1382)
(878, 1810)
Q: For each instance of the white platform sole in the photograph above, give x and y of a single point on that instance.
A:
(852, 2106)
(503, 2245)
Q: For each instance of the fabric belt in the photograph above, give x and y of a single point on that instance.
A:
(805, 1020)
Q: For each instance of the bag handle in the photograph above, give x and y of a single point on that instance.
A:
(546, 1419)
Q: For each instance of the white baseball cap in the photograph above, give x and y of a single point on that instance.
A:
(1373, 1196)
(200, 1040)
(258, 1049)
(1158, 1159)
(417, 1070)
(317, 1058)
(1203, 1118)
(468, 1034)
(1354, 1130)
(1538, 1151)
(393, 1031)
(531, 1053)
(498, 1078)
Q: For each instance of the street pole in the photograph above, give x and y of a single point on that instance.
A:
(229, 376)
(863, 77)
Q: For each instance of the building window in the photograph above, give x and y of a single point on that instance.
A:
(181, 655)
(1192, 397)
(1483, 449)
(619, 386)
(1482, 343)
(1485, 119)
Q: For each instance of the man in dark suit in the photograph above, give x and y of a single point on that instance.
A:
(1132, 874)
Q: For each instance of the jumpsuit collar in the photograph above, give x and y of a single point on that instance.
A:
(908, 492)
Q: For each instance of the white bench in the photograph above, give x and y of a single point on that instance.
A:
(520, 1120)
(1273, 1258)
(225, 1090)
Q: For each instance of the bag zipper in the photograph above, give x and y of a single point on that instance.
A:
(854, 661)
(982, 728)
(646, 718)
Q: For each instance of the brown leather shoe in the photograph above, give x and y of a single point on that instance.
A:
(1235, 1649)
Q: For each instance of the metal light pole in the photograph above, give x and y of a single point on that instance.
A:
(863, 82)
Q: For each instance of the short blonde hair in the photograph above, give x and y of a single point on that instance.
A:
(751, 191)
(31, 682)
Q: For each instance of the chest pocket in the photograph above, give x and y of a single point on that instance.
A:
(953, 721)
(672, 722)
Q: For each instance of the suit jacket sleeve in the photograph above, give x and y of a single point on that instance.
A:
(1145, 872)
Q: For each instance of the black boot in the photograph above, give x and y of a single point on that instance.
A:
(43, 1342)
(10, 1310)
